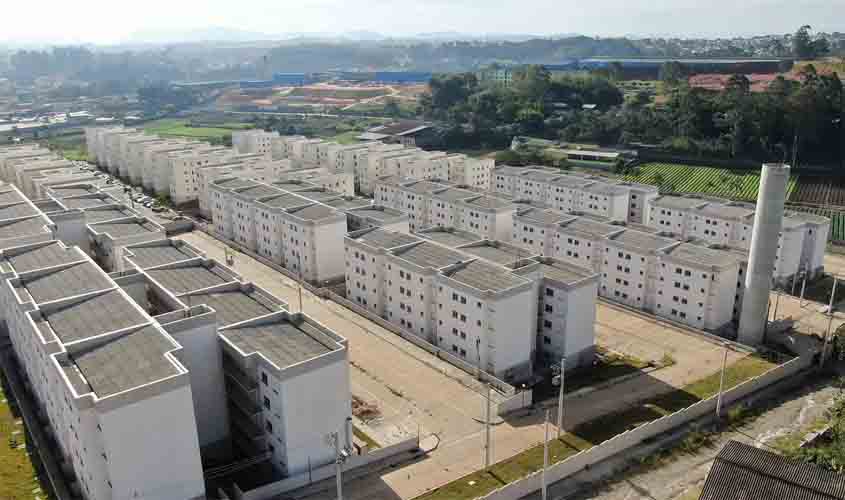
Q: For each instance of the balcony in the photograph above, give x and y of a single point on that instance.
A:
(243, 400)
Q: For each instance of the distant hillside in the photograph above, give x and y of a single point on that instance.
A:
(452, 56)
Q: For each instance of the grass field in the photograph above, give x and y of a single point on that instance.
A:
(338, 93)
(595, 432)
(734, 184)
(181, 128)
(18, 478)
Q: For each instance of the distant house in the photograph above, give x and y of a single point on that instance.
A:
(742, 472)
(405, 132)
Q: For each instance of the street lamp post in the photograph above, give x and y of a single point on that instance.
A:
(560, 397)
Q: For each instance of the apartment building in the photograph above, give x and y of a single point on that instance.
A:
(186, 182)
(104, 374)
(729, 224)
(576, 193)
(363, 217)
(127, 144)
(108, 238)
(534, 228)
(697, 286)
(460, 293)
(471, 172)
(565, 309)
(9, 157)
(254, 142)
(150, 162)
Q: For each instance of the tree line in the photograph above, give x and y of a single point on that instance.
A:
(791, 117)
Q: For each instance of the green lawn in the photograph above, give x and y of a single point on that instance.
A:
(18, 479)
(595, 432)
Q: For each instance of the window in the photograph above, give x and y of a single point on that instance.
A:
(269, 426)
(547, 324)
(264, 379)
(266, 402)
(549, 308)
(550, 292)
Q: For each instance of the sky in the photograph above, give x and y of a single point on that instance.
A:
(112, 21)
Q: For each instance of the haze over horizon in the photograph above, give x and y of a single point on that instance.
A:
(102, 22)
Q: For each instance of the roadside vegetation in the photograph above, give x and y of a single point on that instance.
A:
(18, 476)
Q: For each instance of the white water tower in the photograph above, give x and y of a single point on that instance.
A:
(768, 221)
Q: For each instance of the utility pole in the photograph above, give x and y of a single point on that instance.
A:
(338, 466)
(487, 430)
(560, 397)
(722, 382)
(299, 283)
(832, 294)
(545, 457)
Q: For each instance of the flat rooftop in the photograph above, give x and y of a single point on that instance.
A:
(449, 236)
(677, 202)
(493, 201)
(235, 183)
(64, 192)
(428, 254)
(540, 176)
(586, 226)
(105, 214)
(41, 257)
(703, 256)
(159, 255)
(317, 194)
(127, 362)
(124, 229)
(259, 191)
(724, 211)
(380, 238)
(377, 213)
(17, 210)
(453, 194)
(543, 216)
(284, 343)
(498, 252)
(423, 187)
(642, 241)
(294, 185)
(348, 204)
(85, 203)
(190, 278)
(286, 200)
(81, 278)
(559, 271)
(92, 316)
(22, 227)
(10, 196)
(483, 275)
(48, 206)
(807, 217)
(233, 306)
(314, 212)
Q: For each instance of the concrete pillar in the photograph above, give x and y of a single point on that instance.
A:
(768, 221)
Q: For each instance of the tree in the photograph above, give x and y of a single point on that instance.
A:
(532, 82)
(738, 84)
(673, 73)
(805, 47)
(391, 107)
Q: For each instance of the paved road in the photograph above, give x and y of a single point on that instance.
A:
(682, 477)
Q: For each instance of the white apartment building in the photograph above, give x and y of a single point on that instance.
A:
(629, 267)
(105, 375)
(534, 228)
(697, 286)
(729, 224)
(150, 162)
(254, 142)
(467, 302)
(487, 216)
(128, 144)
(565, 309)
(576, 193)
(186, 181)
(9, 157)
(470, 172)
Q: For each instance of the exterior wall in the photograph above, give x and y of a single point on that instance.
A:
(328, 250)
(566, 325)
(625, 275)
(701, 299)
(534, 236)
(577, 249)
(129, 448)
(410, 299)
(202, 356)
(366, 284)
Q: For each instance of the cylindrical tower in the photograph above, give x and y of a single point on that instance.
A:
(768, 221)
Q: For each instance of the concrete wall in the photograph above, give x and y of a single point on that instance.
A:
(622, 442)
(136, 438)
